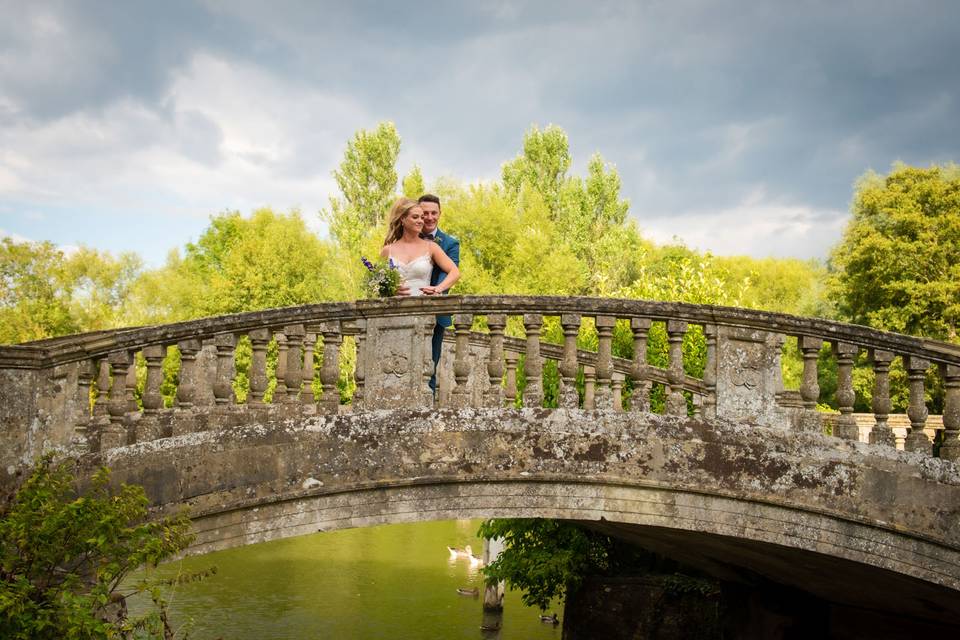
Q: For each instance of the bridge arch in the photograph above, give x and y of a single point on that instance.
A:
(727, 498)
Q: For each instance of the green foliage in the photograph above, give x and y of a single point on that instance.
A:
(896, 266)
(367, 178)
(241, 263)
(542, 166)
(786, 285)
(413, 186)
(63, 556)
(46, 293)
(545, 558)
(548, 559)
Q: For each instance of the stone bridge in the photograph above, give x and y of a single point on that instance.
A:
(691, 447)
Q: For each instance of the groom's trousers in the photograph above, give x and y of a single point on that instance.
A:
(437, 345)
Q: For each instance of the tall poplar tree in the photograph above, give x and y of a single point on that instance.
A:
(367, 178)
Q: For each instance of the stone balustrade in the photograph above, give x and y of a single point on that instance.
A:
(106, 389)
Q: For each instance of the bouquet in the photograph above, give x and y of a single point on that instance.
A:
(382, 279)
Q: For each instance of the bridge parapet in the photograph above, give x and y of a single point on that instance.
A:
(99, 391)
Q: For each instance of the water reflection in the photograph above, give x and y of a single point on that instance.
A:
(396, 582)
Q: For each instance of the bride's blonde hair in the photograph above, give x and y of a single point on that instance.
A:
(398, 211)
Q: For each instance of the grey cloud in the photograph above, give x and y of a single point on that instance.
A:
(699, 103)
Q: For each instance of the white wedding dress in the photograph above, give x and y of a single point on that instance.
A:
(416, 273)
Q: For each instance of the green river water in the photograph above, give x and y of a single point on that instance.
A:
(393, 582)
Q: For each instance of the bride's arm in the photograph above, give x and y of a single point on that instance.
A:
(446, 264)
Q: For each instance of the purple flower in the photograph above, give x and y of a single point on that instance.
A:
(366, 263)
(390, 263)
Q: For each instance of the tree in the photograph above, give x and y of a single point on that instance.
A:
(367, 178)
(542, 165)
(413, 186)
(46, 293)
(34, 298)
(548, 559)
(64, 555)
(896, 267)
(242, 263)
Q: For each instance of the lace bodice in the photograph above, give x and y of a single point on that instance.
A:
(416, 273)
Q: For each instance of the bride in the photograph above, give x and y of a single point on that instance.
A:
(413, 256)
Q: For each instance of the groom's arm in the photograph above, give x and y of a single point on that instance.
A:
(454, 252)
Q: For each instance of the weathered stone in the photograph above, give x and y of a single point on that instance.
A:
(226, 344)
(640, 373)
(951, 412)
(493, 396)
(395, 360)
(533, 364)
(603, 396)
(916, 439)
(749, 376)
(799, 493)
(846, 425)
(881, 433)
(568, 396)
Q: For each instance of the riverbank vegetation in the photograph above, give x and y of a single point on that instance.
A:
(65, 551)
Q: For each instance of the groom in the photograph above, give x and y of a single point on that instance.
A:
(430, 204)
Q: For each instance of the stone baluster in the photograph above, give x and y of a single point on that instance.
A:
(280, 374)
(708, 404)
(461, 360)
(605, 324)
(82, 439)
(510, 395)
(676, 404)
(950, 450)
(697, 401)
(309, 344)
(130, 383)
(916, 439)
(881, 432)
(846, 427)
(640, 400)
(187, 389)
(103, 387)
(226, 344)
(589, 387)
(115, 434)
(493, 395)
(259, 341)
(568, 396)
(152, 400)
(293, 371)
(330, 369)
(809, 385)
(616, 386)
(533, 366)
(148, 428)
(359, 372)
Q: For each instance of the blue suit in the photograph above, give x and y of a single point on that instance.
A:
(451, 247)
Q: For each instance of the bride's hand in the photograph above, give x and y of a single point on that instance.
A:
(429, 291)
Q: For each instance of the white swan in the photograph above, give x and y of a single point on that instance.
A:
(467, 554)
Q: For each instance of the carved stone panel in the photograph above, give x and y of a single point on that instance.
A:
(749, 377)
(394, 355)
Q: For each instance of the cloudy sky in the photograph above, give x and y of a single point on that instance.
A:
(738, 126)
